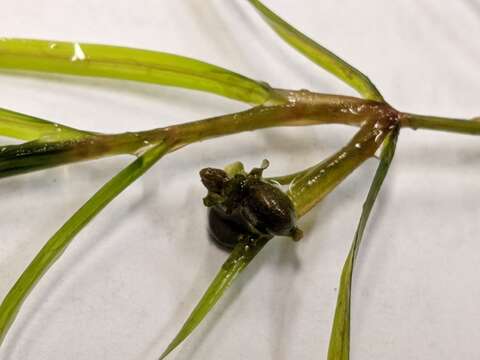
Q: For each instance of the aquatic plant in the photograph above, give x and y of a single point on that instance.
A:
(51, 144)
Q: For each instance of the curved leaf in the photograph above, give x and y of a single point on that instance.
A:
(318, 54)
(129, 64)
(238, 260)
(339, 348)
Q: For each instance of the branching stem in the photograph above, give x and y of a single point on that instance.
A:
(300, 108)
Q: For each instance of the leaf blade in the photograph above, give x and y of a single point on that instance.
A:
(24, 127)
(339, 347)
(116, 62)
(319, 54)
(54, 247)
(238, 260)
(51, 151)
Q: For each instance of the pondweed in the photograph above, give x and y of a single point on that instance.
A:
(50, 144)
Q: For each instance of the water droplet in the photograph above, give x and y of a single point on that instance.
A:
(146, 142)
(358, 145)
(52, 45)
(342, 156)
(78, 54)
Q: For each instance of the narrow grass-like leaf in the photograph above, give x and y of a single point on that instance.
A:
(238, 260)
(62, 238)
(46, 153)
(318, 54)
(129, 64)
(339, 348)
(25, 127)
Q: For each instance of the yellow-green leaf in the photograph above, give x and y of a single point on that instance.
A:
(129, 64)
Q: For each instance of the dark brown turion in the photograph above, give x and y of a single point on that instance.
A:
(246, 205)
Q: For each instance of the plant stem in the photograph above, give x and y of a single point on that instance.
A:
(301, 108)
(461, 126)
(311, 187)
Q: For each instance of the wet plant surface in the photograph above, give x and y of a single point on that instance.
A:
(52, 145)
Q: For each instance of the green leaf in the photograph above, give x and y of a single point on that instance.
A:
(25, 127)
(318, 54)
(129, 64)
(49, 151)
(57, 244)
(339, 348)
(238, 260)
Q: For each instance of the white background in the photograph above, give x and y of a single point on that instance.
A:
(128, 281)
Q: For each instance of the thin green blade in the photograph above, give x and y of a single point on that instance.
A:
(129, 64)
(25, 127)
(319, 55)
(57, 244)
(51, 151)
(238, 260)
(339, 348)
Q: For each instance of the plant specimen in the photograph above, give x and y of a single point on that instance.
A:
(50, 144)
